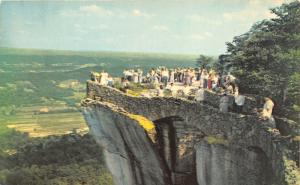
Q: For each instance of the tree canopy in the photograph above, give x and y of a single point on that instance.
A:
(266, 59)
(205, 62)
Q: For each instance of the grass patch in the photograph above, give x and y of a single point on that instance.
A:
(29, 122)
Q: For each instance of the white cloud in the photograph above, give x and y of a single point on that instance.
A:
(196, 37)
(248, 15)
(77, 25)
(255, 10)
(201, 19)
(88, 10)
(136, 12)
(139, 13)
(95, 9)
(177, 36)
(161, 28)
(266, 2)
(192, 36)
(100, 27)
(21, 31)
(207, 34)
(71, 13)
(92, 10)
(83, 29)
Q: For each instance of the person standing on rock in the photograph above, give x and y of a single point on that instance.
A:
(267, 109)
(135, 76)
(199, 96)
(172, 76)
(172, 88)
(160, 91)
(224, 103)
(192, 77)
(103, 78)
(95, 76)
(140, 75)
(204, 76)
(239, 101)
(209, 81)
(165, 76)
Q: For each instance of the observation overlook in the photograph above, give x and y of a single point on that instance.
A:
(176, 141)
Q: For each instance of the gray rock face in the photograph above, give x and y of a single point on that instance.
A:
(232, 166)
(181, 154)
(130, 155)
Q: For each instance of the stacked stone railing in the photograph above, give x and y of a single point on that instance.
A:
(285, 126)
(248, 139)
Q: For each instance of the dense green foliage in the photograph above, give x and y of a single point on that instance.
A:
(65, 160)
(266, 59)
(205, 62)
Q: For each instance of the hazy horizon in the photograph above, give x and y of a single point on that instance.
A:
(101, 51)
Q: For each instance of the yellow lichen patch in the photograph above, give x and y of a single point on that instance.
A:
(10, 152)
(137, 93)
(296, 138)
(144, 122)
(132, 93)
(217, 140)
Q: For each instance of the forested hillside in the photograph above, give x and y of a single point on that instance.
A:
(266, 59)
(70, 159)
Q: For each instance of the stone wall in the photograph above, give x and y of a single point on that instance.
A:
(211, 98)
(192, 122)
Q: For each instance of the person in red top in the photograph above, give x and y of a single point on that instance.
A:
(209, 82)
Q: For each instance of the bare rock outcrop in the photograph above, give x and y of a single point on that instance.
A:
(130, 155)
(193, 143)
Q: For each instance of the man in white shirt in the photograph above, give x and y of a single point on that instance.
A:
(160, 91)
(172, 76)
(239, 101)
(103, 78)
(135, 76)
(140, 75)
(172, 88)
(224, 102)
(199, 96)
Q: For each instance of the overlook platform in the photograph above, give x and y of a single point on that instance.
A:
(166, 140)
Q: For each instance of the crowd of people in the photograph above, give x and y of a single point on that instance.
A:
(187, 76)
(186, 80)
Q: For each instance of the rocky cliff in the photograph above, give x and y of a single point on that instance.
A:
(183, 142)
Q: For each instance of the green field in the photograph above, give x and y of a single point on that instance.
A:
(41, 90)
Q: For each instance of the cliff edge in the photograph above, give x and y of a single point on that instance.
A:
(168, 141)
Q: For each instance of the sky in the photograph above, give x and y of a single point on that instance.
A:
(177, 26)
